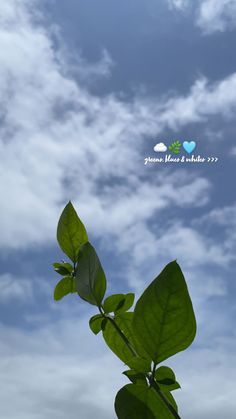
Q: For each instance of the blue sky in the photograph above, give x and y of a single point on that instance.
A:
(87, 90)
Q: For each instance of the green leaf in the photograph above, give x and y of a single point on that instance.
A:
(71, 233)
(104, 323)
(64, 287)
(95, 323)
(135, 377)
(129, 301)
(169, 387)
(117, 344)
(90, 277)
(63, 268)
(165, 375)
(139, 364)
(164, 320)
(137, 401)
(113, 302)
(170, 398)
(118, 303)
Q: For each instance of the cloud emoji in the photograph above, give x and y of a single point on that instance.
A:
(161, 147)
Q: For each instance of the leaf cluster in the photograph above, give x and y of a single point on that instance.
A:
(161, 324)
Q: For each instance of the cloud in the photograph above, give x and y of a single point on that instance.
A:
(101, 68)
(178, 4)
(78, 67)
(131, 208)
(221, 216)
(14, 289)
(49, 376)
(204, 100)
(217, 15)
(233, 151)
(221, 221)
(204, 245)
(169, 244)
(161, 147)
(48, 372)
(61, 142)
(209, 15)
(195, 364)
(22, 290)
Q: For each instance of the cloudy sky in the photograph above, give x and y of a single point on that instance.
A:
(87, 90)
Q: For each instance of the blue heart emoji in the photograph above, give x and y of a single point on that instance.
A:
(189, 146)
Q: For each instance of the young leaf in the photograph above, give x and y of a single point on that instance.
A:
(95, 323)
(165, 375)
(166, 380)
(63, 268)
(137, 401)
(169, 387)
(129, 301)
(135, 377)
(118, 303)
(71, 233)
(139, 364)
(113, 302)
(164, 320)
(64, 287)
(90, 277)
(104, 323)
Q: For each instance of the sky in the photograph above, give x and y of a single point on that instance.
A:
(87, 90)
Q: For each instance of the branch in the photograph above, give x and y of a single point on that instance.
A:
(151, 380)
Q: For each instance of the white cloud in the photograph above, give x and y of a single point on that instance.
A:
(60, 142)
(200, 373)
(209, 15)
(161, 147)
(193, 250)
(217, 15)
(202, 250)
(233, 151)
(57, 372)
(90, 72)
(63, 369)
(60, 388)
(14, 289)
(203, 101)
(178, 4)
(22, 290)
(196, 248)
(223, 221)
(223, 216)
(136, 203)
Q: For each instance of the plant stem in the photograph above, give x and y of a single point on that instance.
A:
(119, 331)
(154, 385)
(123, 337)
(153, 371)
(151, 379)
